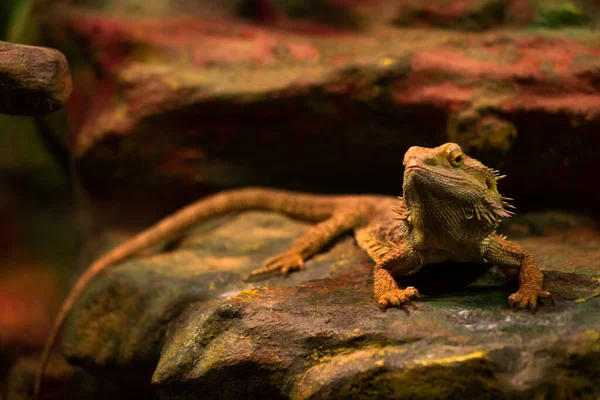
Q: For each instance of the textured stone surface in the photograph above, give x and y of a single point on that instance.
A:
(357, 15)
(186, 322)
(178, 106)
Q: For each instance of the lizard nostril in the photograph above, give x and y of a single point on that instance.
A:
(410, 162)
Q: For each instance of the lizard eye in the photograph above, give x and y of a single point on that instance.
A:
(456, 158)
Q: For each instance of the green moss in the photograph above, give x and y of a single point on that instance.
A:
(556, 14)
(321, 10)
(130, 7)
(477, 17)
(576, 380)
(22, 27)
(300, 8)
(39, 190)
(473, 378)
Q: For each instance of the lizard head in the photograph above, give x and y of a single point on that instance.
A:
(444, 174)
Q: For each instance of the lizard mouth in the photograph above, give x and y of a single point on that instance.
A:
(429, 171)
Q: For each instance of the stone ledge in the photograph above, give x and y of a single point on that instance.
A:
(185, 321)
(180, 100)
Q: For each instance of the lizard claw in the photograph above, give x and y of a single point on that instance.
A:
(397, 297)
(284, 263)
(528, 299)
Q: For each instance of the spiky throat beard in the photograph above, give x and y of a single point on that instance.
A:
(442, 197)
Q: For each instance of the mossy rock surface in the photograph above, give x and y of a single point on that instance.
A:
(185, 322)
(561, 13)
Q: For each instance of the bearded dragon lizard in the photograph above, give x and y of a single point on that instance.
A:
(450, 212)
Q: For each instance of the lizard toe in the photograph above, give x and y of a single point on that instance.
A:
(287, 268)
(525, 299)
(283, 263)
(514, 300)
(412, 291)
(397, 297)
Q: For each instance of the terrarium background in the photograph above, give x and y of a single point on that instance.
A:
(176, 99)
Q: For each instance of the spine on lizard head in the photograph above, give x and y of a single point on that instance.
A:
(299, 205)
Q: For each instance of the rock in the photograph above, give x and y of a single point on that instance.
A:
(176, 103)
(186, 322)
(33, 80)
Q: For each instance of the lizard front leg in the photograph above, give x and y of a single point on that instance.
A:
(504, 253)
(318, 236)
(401, 260)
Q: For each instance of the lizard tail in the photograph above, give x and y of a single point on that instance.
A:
(303, 206)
